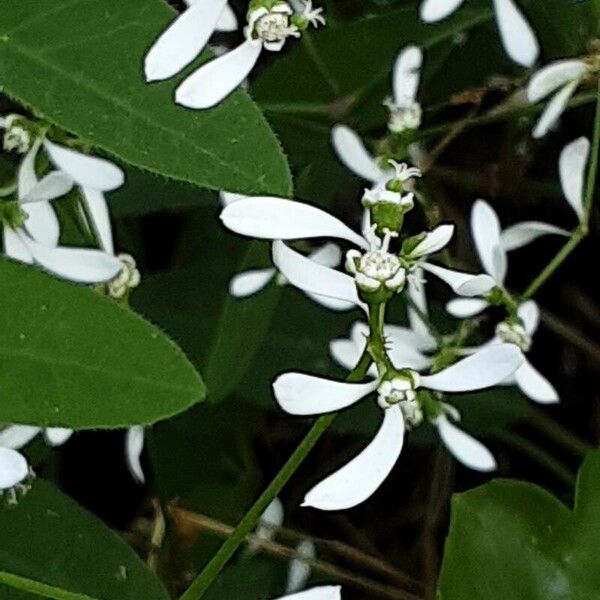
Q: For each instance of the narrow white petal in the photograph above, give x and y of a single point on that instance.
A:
(13, 468)
(17, 436)
(53, 185)
(227, 198)
(15, 247)
(359, 479)
(486, 232)
(331, 303)
(463, 284)
(86, 171)
(249, 282)
(327, 592)
(57, 436)
(518, 38)
(554, 109)
(416, 293)
(406, 76)
(311, 277)
(521, 234)
(278, 219)
(403, 349)
(42, 223)
(353, 154)
(183, 40)
(134, 444)
(485, 368)
(345, 352)
(571, 166)
(301, 394)
(97, 208)
(553, 76)
(465, 448)
(299, 569)
(534, 385)
(529, 313)
(464, 308)
(270, 520)
(328, 255)
(81, 265)
(215, 80)
(26, 177)
(435, 10)
(227, 20)
(434, 241)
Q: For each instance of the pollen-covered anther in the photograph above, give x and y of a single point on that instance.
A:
(402, 391)
(514, 333)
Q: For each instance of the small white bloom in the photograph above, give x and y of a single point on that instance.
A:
(560, 78)
(518, 38)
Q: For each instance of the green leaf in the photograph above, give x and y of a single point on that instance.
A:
(515, 540)
(78, 65)
(71, 357)
(48, 538)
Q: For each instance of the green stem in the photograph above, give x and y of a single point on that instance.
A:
(39, 589)
(201, 584)
(581, 231)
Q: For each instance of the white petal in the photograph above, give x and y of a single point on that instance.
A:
(554, 109)
(434, 241)
(134, 444)
(352, 152)
(86, 171)
(227, 20)
(518, 38)
(327, 592)
(359, 479)
(97, 208)
(26, 177)
(57, 436)
(486, 231)
(463, 284)
(81, 265)
(270, 520)
(465, 448)
(521, 234)
(249, 282)
(215, 80)
(227, 198)
(345, 352)
(555, 75)
(406, 76)
(15, 247)
(435, 10)
(464, 308)
(331, 303)
(311, 277)
(278, 219)
(17, 436)
(328, 255)
(42, 223)
(571, 166)
(299, 569)
(485, 368)
(183, 40)
(54, 185)
(403, 349)
(534, 385)
(529, 313)
(416, 293)
(302, 394)
(13, 468)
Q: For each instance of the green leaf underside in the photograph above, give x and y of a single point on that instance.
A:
(70, 357)
(48, 538)
(515, 540)
(78, 64)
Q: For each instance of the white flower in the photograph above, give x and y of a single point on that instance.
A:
(327, 592)
(301, 394)
(134, 445)
(560, 78)
(13, 468)
(518, 38)
(31, 229)
(278, 219)
(405, 110)
(186, 36)
(270, 24)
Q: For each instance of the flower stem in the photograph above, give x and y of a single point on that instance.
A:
(204, 580)
(581, 231)
(39, 589)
